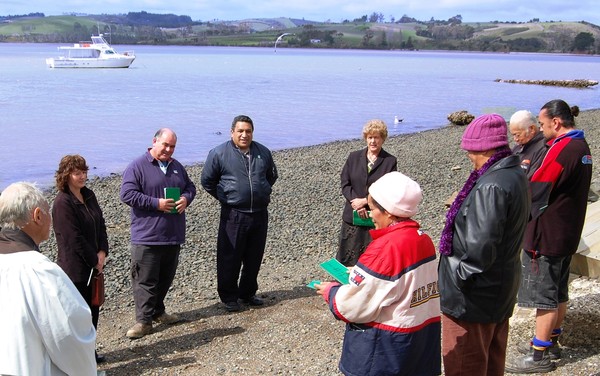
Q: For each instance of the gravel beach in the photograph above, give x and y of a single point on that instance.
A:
(294, 333)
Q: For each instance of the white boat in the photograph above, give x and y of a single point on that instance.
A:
(95, 54)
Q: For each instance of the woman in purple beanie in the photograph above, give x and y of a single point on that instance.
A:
(479, 267)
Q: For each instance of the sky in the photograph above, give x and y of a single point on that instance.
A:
(324, 10)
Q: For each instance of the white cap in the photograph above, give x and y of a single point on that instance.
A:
(398, 194)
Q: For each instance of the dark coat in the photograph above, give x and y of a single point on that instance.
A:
(479, 281)
(532, 154)
(559, 191)
(80, 233)
(226, 177)
(356, 180)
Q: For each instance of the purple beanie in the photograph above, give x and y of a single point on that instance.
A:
(487, 132)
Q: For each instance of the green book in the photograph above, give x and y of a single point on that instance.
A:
(175, 194)
(358, 221)
(337, 270)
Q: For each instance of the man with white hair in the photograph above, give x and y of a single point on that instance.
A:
(531, 145)
(46, 325)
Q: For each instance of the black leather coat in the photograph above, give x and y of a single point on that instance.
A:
(479, 281)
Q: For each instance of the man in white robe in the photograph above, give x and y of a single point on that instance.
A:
(45, 325)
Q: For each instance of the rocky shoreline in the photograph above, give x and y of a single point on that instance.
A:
(579, 83)
(294, 334)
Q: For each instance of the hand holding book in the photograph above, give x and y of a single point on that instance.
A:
(173, 193)
(335, 269)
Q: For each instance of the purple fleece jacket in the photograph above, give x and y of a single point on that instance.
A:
(143, 184)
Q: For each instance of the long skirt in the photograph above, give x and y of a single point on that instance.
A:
(353, 242)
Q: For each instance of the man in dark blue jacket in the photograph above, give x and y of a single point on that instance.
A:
(240, 174)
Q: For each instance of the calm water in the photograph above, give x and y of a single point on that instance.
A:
(296, 97)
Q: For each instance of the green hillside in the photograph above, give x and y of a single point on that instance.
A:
(47, 25)
(144, 28)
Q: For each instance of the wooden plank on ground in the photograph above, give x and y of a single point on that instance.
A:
(587, 259)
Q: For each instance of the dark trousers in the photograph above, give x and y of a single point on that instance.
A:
(240, 246)
(86, 292)
(473, 348)
(153, 269)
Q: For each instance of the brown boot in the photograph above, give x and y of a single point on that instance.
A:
(166, 318)
(139, 330)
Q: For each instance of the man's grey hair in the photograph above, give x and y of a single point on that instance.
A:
(523, 119)
(17, 203)
(161, 131)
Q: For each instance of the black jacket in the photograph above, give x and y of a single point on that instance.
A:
(226, 177)
(532, 154)
(479, 281)
(80, 233)
(356, 180)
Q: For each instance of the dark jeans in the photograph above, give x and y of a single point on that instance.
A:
(86, 292)
(153, 269)
(240, 246)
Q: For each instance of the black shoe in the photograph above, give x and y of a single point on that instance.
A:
(554, 351)
(253, 301)
(526, 364)
(232, 306)
(100, 358)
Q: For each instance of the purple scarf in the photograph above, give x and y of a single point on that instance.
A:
(448, 232)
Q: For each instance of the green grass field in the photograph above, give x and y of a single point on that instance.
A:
(266, 31)
(48, 25)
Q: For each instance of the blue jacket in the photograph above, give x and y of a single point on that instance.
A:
(143, 185)
(226, 177)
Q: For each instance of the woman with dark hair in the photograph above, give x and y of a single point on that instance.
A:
(80, 229)
(361, 169)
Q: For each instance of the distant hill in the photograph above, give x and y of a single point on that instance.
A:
(408, 33)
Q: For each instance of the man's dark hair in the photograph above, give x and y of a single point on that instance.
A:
(243, 119)
(560, 109)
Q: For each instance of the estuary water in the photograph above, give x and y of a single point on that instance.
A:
(296, 97)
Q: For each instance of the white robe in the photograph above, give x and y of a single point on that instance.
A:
(45, 325)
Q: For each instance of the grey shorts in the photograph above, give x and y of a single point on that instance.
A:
(544, 281)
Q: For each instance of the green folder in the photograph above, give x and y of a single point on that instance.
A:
(358, 221)
(175, 194)
(337, 270)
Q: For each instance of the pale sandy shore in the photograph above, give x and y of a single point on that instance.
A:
(294, 334)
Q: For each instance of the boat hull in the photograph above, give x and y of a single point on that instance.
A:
(89, 62)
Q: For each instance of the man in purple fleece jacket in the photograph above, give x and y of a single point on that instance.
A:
(156, 231)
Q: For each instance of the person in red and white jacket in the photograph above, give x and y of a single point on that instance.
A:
(391, 303)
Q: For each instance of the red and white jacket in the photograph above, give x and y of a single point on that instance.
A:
(392, 296)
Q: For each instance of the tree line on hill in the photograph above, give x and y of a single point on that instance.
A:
(374, 32)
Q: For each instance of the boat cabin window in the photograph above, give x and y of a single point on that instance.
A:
(80, 53)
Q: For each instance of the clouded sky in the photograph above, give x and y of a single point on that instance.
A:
(322, 10)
